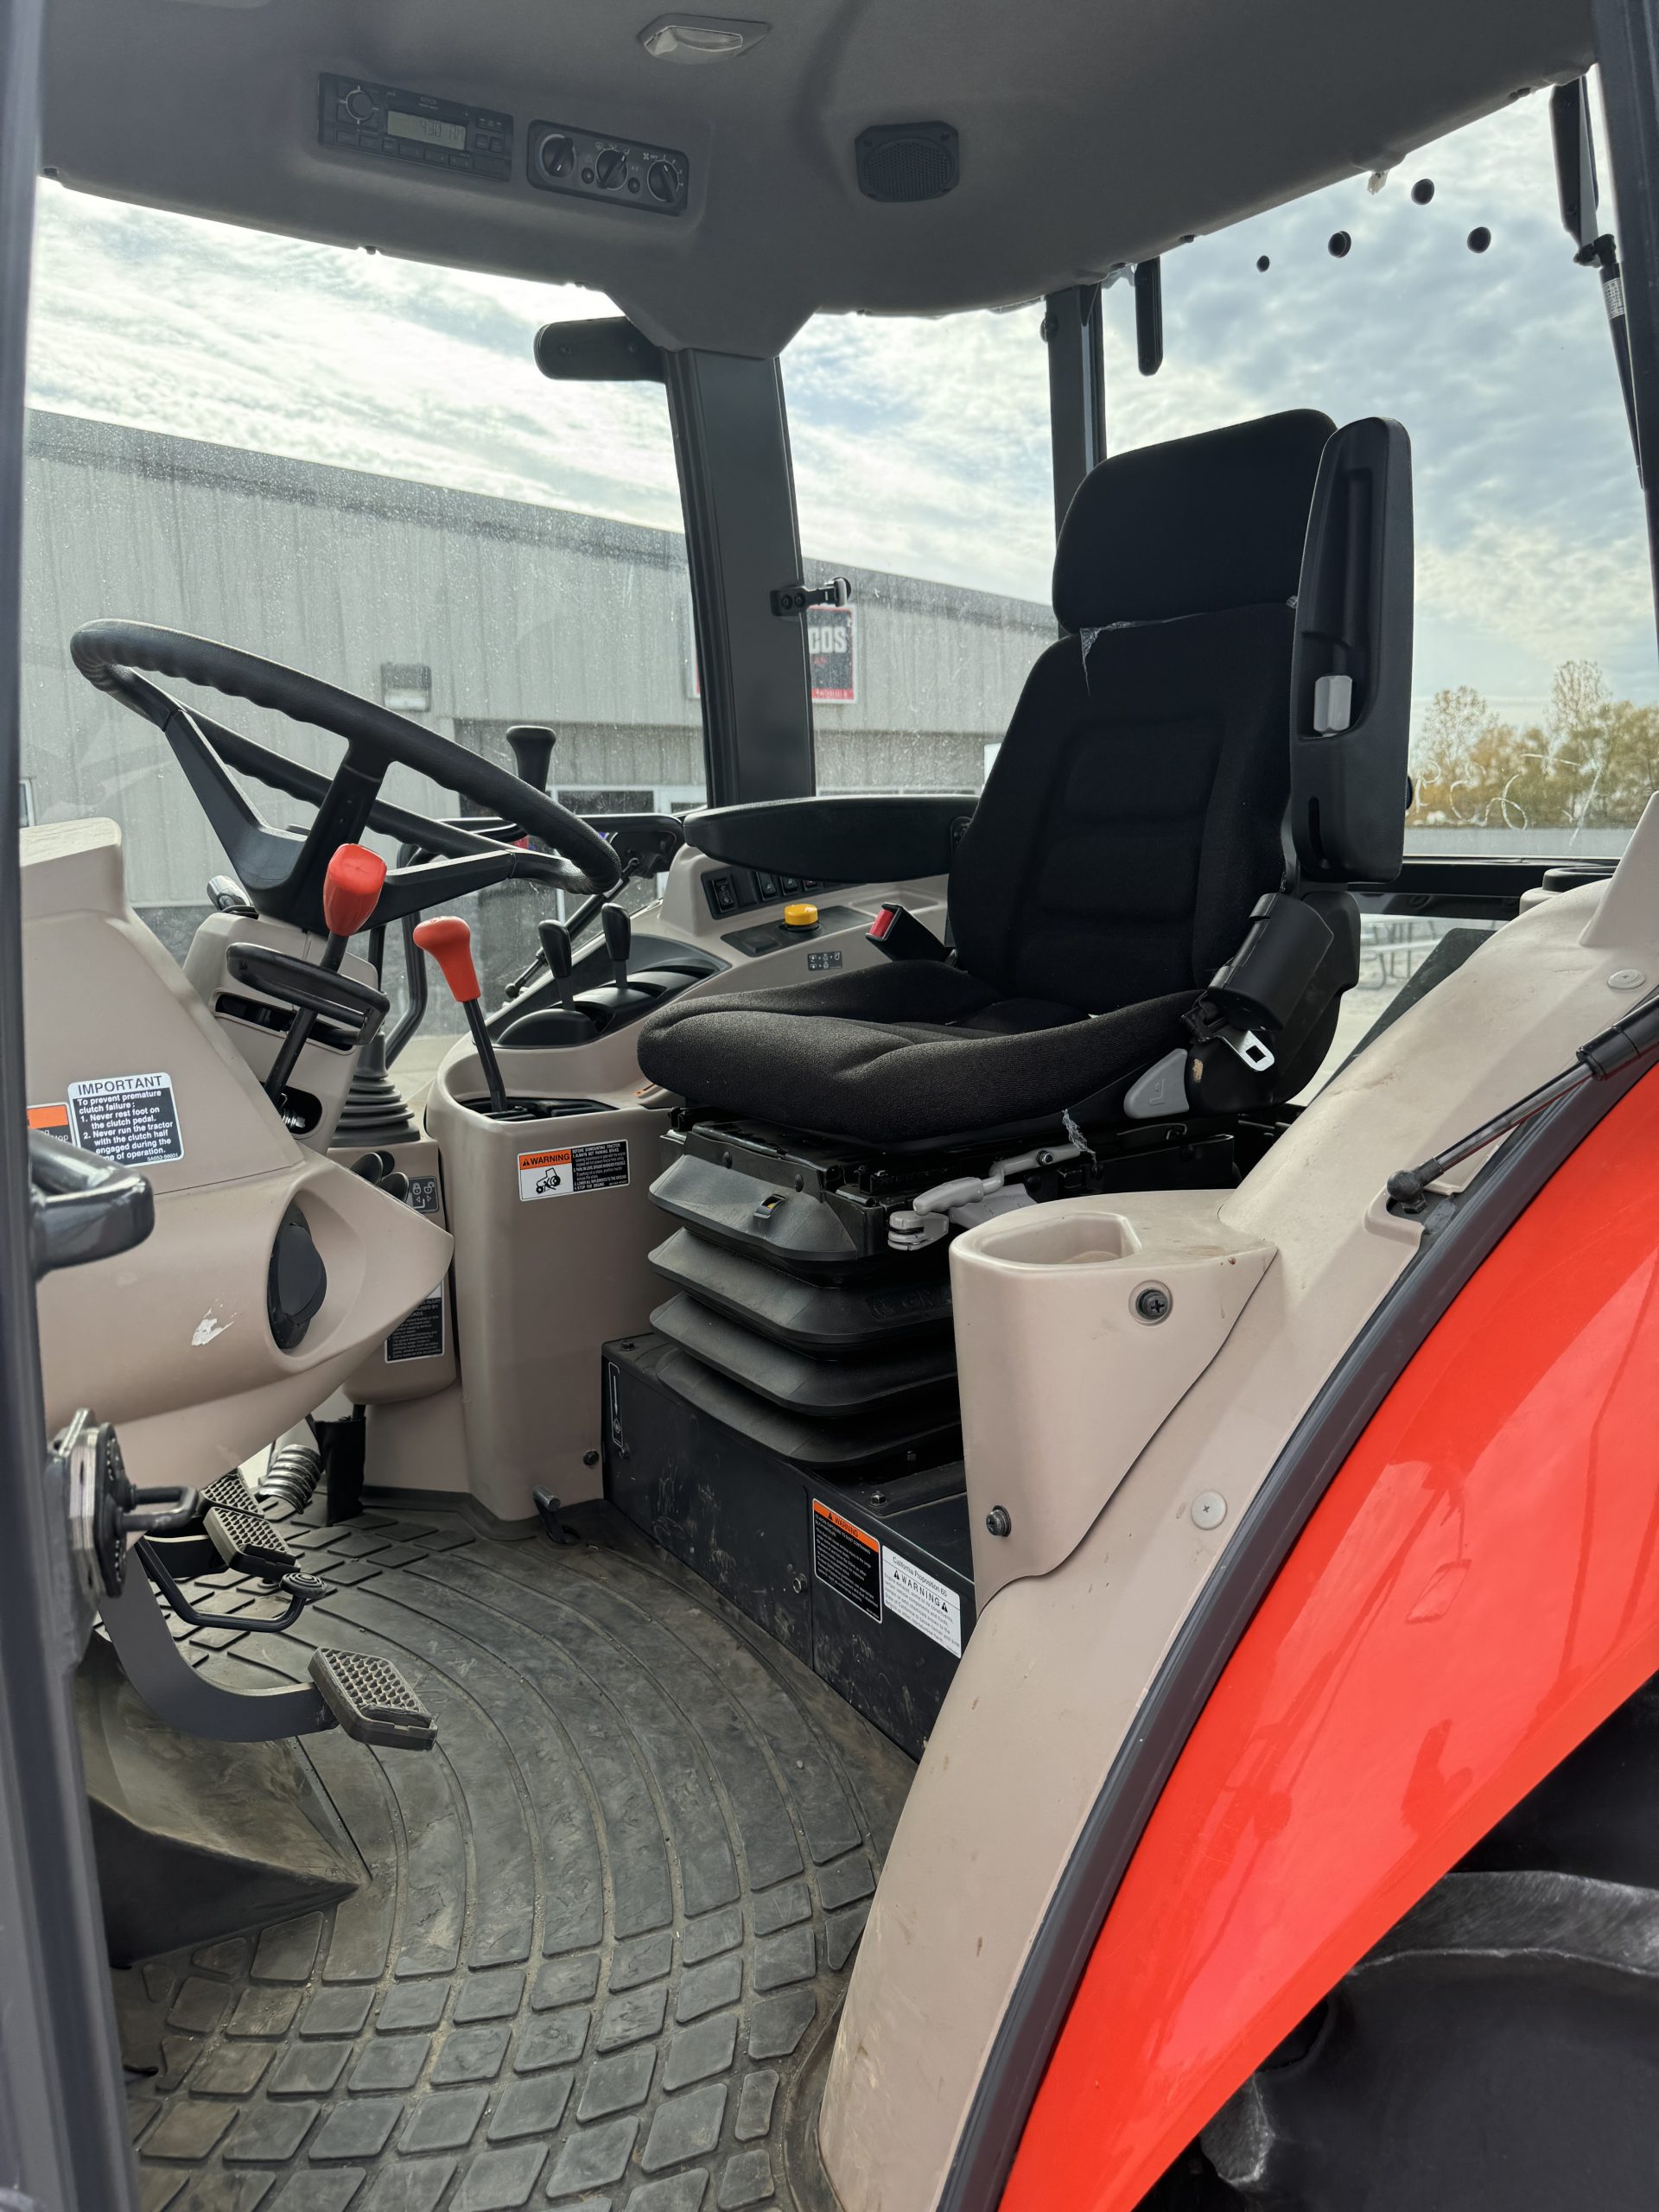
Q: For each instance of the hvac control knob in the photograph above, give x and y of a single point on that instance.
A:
(663, 184)
(611, 167)
(556, 154)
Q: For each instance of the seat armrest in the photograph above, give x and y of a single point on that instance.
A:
(850, 840)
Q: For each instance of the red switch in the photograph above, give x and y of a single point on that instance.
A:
(351, 889)
(449, 941)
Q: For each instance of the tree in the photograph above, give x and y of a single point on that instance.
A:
(1595, 766)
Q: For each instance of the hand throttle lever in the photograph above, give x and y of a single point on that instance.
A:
(351, 892)
(449, 941)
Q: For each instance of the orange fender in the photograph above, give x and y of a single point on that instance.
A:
(1477, 1591)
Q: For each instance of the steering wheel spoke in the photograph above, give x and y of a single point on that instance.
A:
(283, 870)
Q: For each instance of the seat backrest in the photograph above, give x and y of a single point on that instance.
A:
(1135, 813)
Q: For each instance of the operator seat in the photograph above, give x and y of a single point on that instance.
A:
(1142, 805)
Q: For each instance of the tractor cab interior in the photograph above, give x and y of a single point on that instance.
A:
(647, 1352)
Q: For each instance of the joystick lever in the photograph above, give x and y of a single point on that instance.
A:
(449, 941)
(351, 892)
(618, 937)
(555, 951)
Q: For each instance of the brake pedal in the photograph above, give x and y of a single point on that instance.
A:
(230, 1493)
(244, 1540)
(370, 1700)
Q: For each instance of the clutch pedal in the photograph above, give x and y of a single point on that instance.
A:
(244, 1540)
(370, 1700)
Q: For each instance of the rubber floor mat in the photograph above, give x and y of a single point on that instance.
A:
(609, 1919)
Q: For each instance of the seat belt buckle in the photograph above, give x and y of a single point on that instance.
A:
(896, 935)
(1251, 1049)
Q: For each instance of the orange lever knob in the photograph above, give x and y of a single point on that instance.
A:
(449, 941)
(351, 888)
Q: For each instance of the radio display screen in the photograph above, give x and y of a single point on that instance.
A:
(427, 129)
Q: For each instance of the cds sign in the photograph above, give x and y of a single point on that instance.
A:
(830, 653)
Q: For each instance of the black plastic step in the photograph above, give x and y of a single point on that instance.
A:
(923, 1429)
(371, 1701)
(244, 1540)
(834, 1318)
(832, 1389)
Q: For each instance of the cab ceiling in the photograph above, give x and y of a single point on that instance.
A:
(1092, 132)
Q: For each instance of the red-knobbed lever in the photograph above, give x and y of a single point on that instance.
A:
(351, 891)
(449, 941)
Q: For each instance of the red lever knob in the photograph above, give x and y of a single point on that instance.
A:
(351, 889)
(449, 941)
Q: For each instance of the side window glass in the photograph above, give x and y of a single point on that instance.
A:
(922, 471)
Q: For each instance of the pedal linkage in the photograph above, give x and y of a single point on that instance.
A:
(355, 1691)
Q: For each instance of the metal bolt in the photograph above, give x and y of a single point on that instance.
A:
(1209, 1510)
(997, 1522)
(878, 1497)
(1152, 1302)
(798, 1584)
(590, 1459)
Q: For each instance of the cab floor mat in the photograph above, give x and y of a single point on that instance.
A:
(610, 1916)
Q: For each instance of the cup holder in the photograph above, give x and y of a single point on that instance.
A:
(1068, 1240)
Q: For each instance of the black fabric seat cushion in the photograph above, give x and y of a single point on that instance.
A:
(898, 1053)
(1130, 822)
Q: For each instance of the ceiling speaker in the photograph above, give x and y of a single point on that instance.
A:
(908, 160)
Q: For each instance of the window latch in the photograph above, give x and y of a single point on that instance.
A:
(795, 598)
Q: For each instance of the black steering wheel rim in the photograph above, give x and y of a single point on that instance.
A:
(286, 867)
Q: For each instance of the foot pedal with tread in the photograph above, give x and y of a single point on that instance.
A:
(230, 1493)
(371, 1701)
(249, 1543)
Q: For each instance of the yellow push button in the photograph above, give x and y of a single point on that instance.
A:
(801, 915)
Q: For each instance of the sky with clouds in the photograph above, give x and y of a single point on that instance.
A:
(922, 447)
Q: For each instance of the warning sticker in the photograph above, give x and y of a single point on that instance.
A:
(131, 1119)
(55, 1120)
(818, 963)
(922, 1599)
(419, 1335)
(847, 1560)
(573, 1172)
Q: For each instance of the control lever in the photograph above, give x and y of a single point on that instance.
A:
(532, 752)
(619, 939)
(556, 951)
(449, 941)
(351, 892)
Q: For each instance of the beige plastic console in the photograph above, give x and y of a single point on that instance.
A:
(171, 1341)
(1079, 1326)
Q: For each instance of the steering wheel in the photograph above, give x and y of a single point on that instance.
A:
(282, 870)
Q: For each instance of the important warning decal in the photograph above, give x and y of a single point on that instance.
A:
(921, 1600)
(54, 1120)
(573, 1172)
(847, 1560)
(419, 1335)
(131, 1119)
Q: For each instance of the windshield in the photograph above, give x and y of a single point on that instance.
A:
(348, 464)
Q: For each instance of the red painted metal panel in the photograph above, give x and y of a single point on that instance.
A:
(1479, 1589)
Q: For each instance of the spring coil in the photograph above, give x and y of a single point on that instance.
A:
(292, 1477)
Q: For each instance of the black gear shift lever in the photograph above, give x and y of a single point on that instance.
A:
(555, 951)
(532, 752)
(618, 937)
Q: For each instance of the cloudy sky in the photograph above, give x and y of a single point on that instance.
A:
(923, 447)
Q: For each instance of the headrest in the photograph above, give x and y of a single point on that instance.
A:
(1191, 527)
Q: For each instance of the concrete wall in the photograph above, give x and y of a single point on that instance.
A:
(521, 613)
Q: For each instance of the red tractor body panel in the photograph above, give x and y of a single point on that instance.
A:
(1476, 1592)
